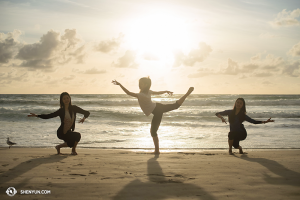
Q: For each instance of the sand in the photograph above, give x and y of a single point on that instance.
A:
(125, 174)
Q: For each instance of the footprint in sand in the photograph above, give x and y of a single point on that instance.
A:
(78, 174)
(5, 165)
(209, 154)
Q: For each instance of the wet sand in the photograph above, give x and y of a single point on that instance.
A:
(124, 174)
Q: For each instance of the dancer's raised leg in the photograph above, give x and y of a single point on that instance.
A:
(181, 100)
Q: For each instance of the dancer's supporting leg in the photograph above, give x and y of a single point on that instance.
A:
(157, 116)
(60, 146)
(74, 148)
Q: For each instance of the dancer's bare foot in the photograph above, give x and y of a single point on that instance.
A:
(57, 149)
(230, 152)
(156, 152)
(191, 89)
(241, 150)
(74, 153)
(181, 100)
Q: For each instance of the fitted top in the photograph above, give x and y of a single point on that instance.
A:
(68, 121)
(237, 126)
(146, 103)
(61, 113)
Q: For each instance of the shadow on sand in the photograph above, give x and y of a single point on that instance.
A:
(287, 176)
(26, 166)
(161, 186)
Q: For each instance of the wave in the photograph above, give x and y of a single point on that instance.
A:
(125, 100)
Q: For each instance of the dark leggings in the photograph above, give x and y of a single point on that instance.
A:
(158, 113)
(71, 137)
(236, 139)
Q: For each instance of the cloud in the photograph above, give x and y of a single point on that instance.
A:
(287, 18)
(295, 50)
(9, 45)
(292, 69)
(94, 71)
(194, 56)
(258, 66)
(201, 73)
(109, 45)
(9, 77)
(52, 49)
(126, 61)
(68, 78)
(267, 83)
(263, 74)
(232, 68)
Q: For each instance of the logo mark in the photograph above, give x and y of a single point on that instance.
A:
(11, 191)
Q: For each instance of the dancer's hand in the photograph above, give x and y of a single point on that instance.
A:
(82, 120)
(32, 115)
(116, 82)
(169, 93)
(223, 120)
(269, 120)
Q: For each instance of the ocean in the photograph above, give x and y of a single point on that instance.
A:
(117, 122)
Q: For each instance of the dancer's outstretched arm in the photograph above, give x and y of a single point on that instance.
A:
(162, 92)
(124, 89)
(248, 119)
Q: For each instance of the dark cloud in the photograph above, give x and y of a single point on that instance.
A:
(287, 18)
(52, 49)
(109, 45)
(194, 56)
(126, 61)
(9, 45)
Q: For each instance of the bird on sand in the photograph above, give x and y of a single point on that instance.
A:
(10, 143)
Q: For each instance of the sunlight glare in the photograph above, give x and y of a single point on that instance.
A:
(156, 36)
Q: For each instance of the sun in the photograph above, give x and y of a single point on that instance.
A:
(156, 36)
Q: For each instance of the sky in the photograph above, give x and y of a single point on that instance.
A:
(218, 46)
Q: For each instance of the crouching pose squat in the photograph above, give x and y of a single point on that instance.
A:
(236, 117)
(157, 109)
(67, 114)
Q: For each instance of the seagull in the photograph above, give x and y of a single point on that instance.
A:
(10, 143)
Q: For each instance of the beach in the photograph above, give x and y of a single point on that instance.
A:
(138, 174)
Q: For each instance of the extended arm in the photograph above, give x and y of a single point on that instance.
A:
(124, 89)
(46, 116)
(162, 92)
(248, 119)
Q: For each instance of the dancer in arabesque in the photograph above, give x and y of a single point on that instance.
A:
(236, 118)
(148, 107)
(67, 114)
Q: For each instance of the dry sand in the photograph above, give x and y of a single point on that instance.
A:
(121, 174)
